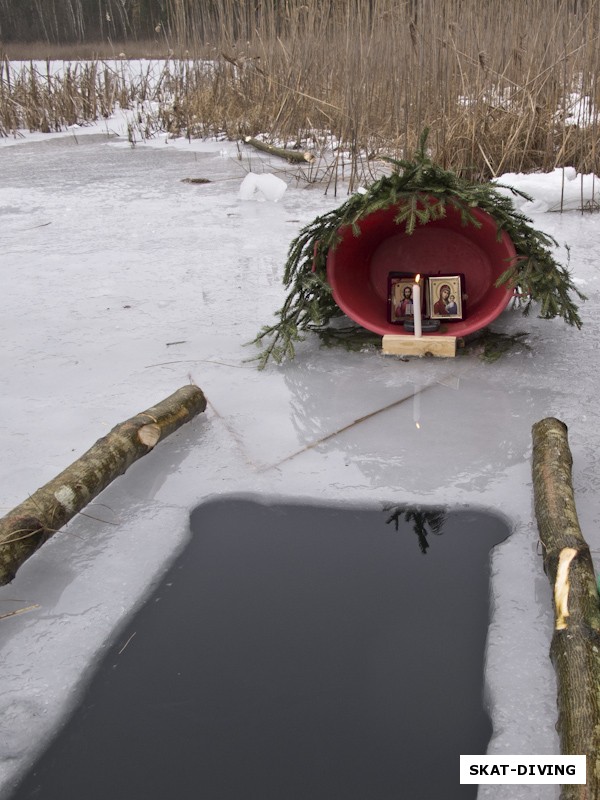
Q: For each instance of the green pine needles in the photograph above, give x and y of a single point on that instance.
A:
(309, 304)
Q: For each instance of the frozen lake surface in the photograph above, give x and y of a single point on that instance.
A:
(120, 283)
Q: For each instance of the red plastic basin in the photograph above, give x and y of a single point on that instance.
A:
(357, 269)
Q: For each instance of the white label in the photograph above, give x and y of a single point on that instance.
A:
(522, 769)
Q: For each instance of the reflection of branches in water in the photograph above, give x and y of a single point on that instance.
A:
(433, 519)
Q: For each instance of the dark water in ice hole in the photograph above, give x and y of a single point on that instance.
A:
(292, 653)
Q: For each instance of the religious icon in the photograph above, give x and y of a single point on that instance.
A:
(445, 296)
(400, 297)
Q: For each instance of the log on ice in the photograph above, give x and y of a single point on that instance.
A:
(24, 529)
(297, 156)
(575, 647)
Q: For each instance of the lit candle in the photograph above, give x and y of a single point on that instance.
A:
(416, 294)
(417, 406)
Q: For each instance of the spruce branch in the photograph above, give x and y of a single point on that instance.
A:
(421, 191)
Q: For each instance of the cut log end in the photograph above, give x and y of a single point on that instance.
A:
(562, 586)
(149, 435)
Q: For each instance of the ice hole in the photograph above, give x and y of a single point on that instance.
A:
(292, 651)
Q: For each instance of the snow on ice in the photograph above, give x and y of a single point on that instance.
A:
(262, 187)
(562, 189)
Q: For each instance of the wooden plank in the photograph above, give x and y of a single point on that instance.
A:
(440, 346)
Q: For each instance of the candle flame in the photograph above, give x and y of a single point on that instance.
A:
(418, 278)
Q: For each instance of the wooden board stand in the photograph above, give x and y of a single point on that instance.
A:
(440, 346)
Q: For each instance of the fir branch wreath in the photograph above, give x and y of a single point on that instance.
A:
(309, 304)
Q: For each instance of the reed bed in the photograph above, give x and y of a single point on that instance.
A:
(503, 87)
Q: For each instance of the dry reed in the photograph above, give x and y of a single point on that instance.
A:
(499, 85)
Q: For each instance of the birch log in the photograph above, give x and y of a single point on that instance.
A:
(297, 156)
(575, 647)
(24, 529)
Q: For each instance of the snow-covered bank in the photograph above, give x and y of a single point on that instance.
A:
(121, 283)
(563, 189)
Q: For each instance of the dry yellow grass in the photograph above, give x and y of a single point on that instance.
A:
(493, 81)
